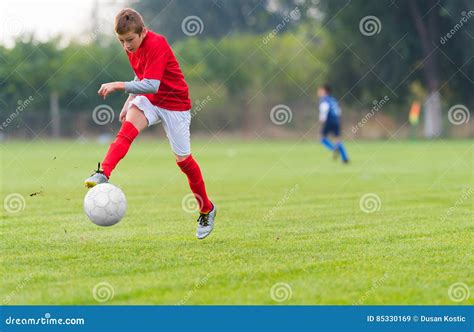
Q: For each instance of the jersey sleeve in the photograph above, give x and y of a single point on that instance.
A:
(323, 111)
(144, 86)
(156, 61)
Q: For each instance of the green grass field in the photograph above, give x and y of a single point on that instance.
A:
(287, 214)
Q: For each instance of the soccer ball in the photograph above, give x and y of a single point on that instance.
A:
(105, 204)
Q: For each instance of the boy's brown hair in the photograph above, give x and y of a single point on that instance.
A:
(128, 20)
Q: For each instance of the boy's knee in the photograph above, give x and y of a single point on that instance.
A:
(137, 118)
(181, 158)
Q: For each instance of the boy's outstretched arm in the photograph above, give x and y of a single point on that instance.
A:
(143, 86)
(108, 88)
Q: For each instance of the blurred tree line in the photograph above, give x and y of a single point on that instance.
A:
(244, 57)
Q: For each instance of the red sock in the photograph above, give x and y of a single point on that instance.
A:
(191, 168)
(119, 148)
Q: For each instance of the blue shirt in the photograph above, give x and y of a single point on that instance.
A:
(329, 110)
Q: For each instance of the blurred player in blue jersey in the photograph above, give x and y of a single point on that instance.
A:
(330, 118)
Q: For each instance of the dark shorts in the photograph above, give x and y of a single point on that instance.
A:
(331, 128)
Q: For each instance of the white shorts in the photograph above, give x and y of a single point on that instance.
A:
(175, 123)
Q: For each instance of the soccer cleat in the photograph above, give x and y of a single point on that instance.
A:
(96, 178)
(206, 223)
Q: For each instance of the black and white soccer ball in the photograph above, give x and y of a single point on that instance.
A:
(105, 204)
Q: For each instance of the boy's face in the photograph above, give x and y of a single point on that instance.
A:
(131, 41)
(322, 92)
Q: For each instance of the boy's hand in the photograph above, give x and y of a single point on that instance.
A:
(107, 88)
(123, 114)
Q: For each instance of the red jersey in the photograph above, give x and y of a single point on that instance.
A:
(155, 60)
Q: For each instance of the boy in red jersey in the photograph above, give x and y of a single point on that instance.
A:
(158, 93)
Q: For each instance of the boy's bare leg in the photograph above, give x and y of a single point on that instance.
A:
(137, 118)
